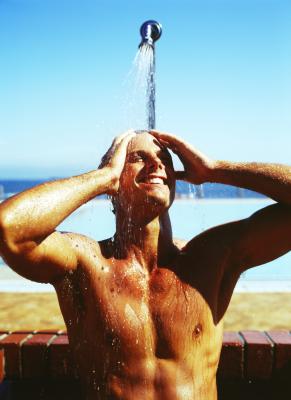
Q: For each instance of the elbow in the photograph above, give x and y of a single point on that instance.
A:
(11, 237)
(7, 242)
(3, 226)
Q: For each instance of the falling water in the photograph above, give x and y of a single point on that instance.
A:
(145, 82)
(150, 32)
(140, 91)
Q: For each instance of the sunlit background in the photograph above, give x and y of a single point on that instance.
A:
(223, 83)
(223, 79)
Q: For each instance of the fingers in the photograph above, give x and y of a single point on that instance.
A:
(119, 150)
(130, 133)
(176, 144)
(118, 144)
(167, 137)
(123, 140)
(119, 139)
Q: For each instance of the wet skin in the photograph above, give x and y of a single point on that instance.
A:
(144, 312)
(147, 335)
(151, 328)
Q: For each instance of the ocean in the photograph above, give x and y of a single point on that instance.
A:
(190, 216)
(183, 189)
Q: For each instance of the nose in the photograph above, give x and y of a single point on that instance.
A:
(154, 164)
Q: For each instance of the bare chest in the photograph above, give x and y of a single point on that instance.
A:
(158, 313)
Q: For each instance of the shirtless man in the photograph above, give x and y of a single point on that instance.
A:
(145, 314)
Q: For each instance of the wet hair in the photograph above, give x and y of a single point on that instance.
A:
(103, 161)
(137, 131)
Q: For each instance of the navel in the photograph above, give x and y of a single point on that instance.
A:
(197, 331)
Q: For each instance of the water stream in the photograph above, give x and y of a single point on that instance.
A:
(139, 101)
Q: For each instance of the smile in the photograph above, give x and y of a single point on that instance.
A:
(154, 180)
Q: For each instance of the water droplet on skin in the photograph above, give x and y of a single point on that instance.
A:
(197, 331)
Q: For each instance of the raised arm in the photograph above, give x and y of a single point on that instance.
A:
(28, 240)
(266, 234)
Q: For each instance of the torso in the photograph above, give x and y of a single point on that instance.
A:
(140, 335)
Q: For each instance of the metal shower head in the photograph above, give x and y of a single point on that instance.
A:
(150, 32)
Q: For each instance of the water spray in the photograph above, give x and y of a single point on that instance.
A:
(150, 32)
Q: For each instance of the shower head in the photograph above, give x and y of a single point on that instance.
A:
(150, 32)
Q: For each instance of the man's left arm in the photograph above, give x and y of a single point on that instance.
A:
(272, 180)
(266, 234)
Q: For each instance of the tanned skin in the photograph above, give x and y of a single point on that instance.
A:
(144, 313)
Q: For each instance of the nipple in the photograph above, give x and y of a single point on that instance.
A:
(197, 331)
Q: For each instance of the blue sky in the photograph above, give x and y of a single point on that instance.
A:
(223, 79)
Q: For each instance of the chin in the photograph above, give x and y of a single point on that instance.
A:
(158, 201)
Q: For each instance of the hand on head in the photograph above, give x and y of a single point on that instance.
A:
(197, 166)
(114, 159)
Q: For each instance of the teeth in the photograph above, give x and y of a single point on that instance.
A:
(155, 180)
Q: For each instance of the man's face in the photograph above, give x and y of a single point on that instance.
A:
(148, 177)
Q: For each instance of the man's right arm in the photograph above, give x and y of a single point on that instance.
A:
(28, 240)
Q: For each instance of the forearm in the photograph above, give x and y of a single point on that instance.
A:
(272, 180)
(35, 213)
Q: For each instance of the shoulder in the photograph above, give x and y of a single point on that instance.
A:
(216, 246)
(90, 252)
(89, 257)
(83, 245)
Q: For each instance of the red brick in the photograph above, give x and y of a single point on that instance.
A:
(258, 355)
(3, 335)
(1, 365)
(282, 353)
(60, 359)
(11, 345)
(35, 356)
(51, 331)
(231, 358)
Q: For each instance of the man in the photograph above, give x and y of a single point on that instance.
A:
(145, 314)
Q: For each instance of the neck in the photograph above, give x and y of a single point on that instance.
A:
(150, 243)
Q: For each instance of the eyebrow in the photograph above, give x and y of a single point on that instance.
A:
(136, 152)
(162, 152)
(143, 152)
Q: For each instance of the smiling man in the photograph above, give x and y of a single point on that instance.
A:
(144, 313)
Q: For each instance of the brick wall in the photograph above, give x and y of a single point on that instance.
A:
(38, 365)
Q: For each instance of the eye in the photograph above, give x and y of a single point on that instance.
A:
(135, 158)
